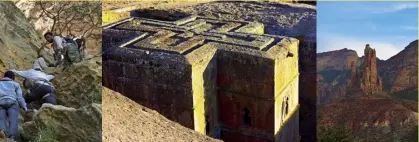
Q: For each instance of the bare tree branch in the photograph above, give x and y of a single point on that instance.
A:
(74, 18)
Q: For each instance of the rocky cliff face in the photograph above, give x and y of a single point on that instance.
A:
(333, 73)
(78, 116)
(18, 39)
(355, 79)
(373, 109)
(65, 124)
(370, 82)
(336, 70)
(336, 60)
(32, 12)
(400, 72)
(80, 85)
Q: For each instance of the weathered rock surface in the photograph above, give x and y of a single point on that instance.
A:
(381, 115)
(336, 60)
(19, 42)
(125, 120)
(80, 84)
(355, 79)
(295, 20)
(400, 72)
(78, 116)
(285, 19)
(32, 12)
(333, 73)
(372, 118)
(370, 81)
(59, 123)
(18, 39)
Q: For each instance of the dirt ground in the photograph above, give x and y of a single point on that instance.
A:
(126, 121)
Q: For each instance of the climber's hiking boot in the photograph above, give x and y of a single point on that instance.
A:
(2, 135)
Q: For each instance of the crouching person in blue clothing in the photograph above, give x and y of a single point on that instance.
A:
(10, 99)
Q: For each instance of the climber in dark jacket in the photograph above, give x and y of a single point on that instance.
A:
(39, 91)
(38, 86)
(10, 99)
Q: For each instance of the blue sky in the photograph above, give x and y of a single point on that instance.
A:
(387, 26)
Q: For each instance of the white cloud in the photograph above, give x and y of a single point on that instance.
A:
(384, 48)
(397, 7)
(403, 6)
(409, 28)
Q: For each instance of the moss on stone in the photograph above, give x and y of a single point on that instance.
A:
(109, 16)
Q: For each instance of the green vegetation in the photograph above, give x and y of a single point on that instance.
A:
(412, 137)
(381, 95)
(340, 134)
(334, 134)
(407, 94)
(95, 97)
(110, 16)
(47, 134)
(386, 87)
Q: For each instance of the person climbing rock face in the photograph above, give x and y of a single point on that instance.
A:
(38, 86)
(39, 91)
(39, 63)
(66, 51)
(82, 47)
(10, 99)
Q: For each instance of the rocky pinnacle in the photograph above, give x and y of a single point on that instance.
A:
(369, 82)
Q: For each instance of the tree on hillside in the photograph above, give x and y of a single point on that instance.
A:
(74, 19)
(71, 17)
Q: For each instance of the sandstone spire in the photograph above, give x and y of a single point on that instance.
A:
(367, 80)
(370, 81)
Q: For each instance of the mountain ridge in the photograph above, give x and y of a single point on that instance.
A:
(353, 99)
(399, 73)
